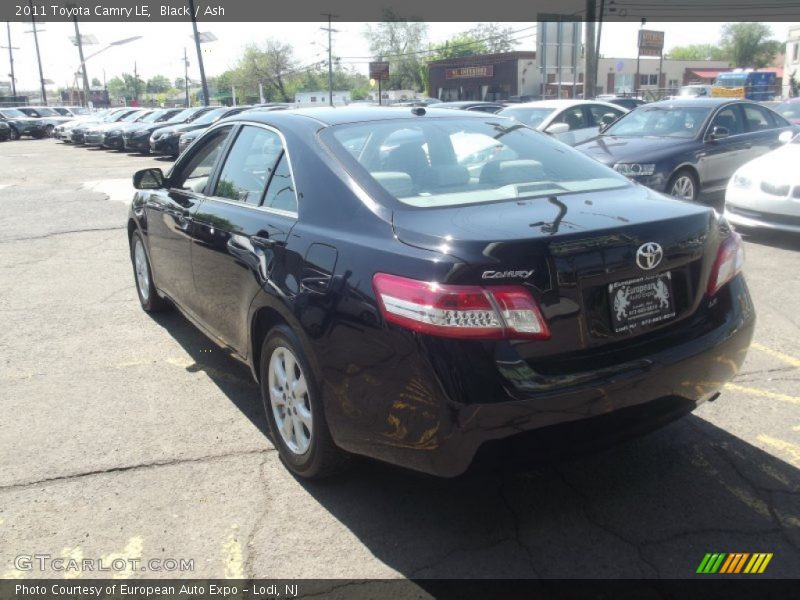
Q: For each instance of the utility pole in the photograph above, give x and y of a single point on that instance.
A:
(590, 52)
(330, 57)
(186, 76)
(11, 60)
(83, 62)
(135, 84)
(199, 55)
(38, 55)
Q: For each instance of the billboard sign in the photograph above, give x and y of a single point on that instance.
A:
(379, 71)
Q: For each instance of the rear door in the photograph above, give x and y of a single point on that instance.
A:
(763, 127)
(241, 231)
(170, 213)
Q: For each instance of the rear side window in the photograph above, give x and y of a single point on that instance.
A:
(249, 165)
(758, 118)
(280, 193)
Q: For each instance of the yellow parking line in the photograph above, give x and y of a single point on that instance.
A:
(792, 450)
(232, 558)
(735, 387)
(789, 360)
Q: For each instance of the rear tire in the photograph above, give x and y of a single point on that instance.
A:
(293, 406)
(48, 131)
(143, 275)
(13, 134)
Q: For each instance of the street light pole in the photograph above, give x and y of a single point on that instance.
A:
(199, 55)
(186, 76)
(38, 55)
(11, 60)
(330, 56)
(83, 63)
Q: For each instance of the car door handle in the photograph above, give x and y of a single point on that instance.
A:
(265, 242)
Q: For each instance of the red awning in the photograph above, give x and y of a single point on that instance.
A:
(708, 73)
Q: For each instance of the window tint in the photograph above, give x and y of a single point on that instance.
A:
(449, 161)
(757, 118)
(249, 165)
(597, 112)
(280, 193)
(574, 117)
(193, 175)
(730, 119)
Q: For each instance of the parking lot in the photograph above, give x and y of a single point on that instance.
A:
(133, 437)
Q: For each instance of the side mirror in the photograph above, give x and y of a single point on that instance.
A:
(786, 136)
(557, 128)
(148, 179)
(719, 133)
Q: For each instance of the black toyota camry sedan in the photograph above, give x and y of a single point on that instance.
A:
(687, 148)
(395, 300)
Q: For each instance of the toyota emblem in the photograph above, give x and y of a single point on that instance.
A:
(649, 255)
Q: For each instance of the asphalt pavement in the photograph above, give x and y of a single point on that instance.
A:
(125, 436)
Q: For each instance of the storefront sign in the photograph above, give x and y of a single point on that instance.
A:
(467, 72)
(651, 43)
(379, 71)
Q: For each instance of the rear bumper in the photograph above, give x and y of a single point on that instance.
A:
(430, 408)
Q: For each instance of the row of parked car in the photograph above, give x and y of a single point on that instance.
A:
(691, 148)
(166, 131)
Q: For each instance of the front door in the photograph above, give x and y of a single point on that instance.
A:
(170, 221)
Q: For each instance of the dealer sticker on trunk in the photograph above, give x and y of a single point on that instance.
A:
(641, 302)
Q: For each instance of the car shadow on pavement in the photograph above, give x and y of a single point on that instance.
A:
(775, 239)
(231, 376)
(651, 507)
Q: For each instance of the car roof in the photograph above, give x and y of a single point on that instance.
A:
(697, 102)
(350, 114)
(458, 103)
(561, 103)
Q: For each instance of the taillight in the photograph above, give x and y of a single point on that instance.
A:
(460, 311)
(730, 259)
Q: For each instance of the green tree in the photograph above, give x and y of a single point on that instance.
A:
(158, 84)
(494, 37)
(96, 82)
(401, 42)
(270, 64)
(749, 44)
(180, 83)
(699, 52)
(126, 86)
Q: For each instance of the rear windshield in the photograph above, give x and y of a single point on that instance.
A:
(433, 162)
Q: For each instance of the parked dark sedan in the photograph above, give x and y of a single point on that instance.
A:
(167, 139)
(393, 305)
(488, 107)
(687, 147)
(137, 138)
(77, 134)
(20, 124)
(113, 135)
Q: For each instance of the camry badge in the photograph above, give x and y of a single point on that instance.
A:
(649, 255)
(506, 274)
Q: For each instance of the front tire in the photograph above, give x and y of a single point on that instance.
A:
(683, 185)
(143, 275)
(13, 134)
(294, 410)
(48, 131)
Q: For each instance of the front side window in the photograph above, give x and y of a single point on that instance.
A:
(12, 113)
(193, 175)
(728, 118)
(598, 111)
(435, 162)
(249, 165)
(575, 117)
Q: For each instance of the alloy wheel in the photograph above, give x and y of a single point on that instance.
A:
(14, 134)
(291, 405)
(140, 266)
(683, 187)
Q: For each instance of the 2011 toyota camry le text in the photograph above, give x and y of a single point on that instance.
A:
(410, 284)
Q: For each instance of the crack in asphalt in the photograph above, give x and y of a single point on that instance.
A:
(455, 551)
(637, 546)
(158, 463)
(257, 526)
(515, 520)
(55, 233)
